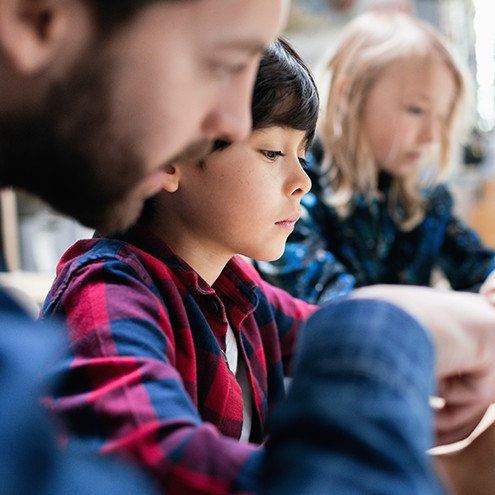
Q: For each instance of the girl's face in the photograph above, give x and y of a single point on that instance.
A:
(406, 111)
(246, 198)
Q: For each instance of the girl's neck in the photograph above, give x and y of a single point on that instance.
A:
(384, 181)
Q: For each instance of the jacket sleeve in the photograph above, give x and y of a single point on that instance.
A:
(120, 392)
(465, 261)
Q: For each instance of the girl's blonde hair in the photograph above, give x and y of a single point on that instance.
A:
(370, 44)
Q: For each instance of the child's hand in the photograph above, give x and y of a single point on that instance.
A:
(488, 288)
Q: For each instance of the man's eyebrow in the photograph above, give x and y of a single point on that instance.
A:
(422, 96)
(254, 47)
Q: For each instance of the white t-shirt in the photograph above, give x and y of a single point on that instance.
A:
(238, 368)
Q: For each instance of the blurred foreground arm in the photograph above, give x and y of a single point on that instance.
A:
(462, 326)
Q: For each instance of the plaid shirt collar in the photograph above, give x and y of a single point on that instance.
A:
(234, 284)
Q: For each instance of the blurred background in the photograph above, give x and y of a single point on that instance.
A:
(32, 237)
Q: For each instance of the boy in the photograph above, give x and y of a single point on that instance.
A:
(182, 343)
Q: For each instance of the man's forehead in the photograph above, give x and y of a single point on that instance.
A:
(248, 25)
(251, 45)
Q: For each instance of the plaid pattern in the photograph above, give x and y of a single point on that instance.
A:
(147, 374)
(327, 256)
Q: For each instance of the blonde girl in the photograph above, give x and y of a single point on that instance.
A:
(394, 100)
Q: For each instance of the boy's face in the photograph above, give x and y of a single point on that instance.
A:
(245, 200)
(117, 109)
(406, 112)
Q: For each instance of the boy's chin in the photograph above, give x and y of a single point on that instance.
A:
(269, 256)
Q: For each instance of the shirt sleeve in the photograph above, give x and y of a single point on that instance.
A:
(121, 393)
(307, 269)
(463, 258)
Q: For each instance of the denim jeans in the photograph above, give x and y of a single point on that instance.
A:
(357, 418)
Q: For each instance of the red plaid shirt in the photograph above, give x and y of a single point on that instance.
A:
(146, 375)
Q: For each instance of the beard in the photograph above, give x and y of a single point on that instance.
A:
(68, 153)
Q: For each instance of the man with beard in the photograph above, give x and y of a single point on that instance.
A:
(96, 98)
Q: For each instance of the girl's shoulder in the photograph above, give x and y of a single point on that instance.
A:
(439, 200)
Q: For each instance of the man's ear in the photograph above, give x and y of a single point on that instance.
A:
(172, 178)
(34, 32)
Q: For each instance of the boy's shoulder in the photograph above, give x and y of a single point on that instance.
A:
(100, 251)
(101, 258)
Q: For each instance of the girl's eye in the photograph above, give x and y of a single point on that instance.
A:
(272, 155)
(415, 110)
(303, 162)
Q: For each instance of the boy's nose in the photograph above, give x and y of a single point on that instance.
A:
(300, 183)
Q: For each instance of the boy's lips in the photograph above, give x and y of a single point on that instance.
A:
(289, 222)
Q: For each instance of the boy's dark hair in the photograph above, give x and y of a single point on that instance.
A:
(285, 93)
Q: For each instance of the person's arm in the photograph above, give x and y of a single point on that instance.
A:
(462, 326)
(307, 269)
(31, 460)
(463, 258)
(120, 392)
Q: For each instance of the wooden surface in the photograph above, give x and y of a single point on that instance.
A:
(471, 471)
(482, 218)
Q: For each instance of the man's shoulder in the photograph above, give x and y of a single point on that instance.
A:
(21, 334)
(10, 307)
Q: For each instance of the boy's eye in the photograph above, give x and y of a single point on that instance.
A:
(303, 162)
(271, 154)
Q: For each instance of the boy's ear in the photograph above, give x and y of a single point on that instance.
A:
(34, 32)
(172, 178)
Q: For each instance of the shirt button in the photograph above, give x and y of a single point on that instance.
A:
(213, 306)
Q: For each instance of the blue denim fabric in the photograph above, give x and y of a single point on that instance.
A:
(357, 418)
(30, 461)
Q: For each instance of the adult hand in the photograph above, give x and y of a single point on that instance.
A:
(462, 326)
